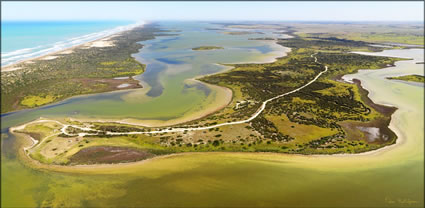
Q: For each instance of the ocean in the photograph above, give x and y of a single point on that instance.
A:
(27, 39)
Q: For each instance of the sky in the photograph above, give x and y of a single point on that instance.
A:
(214, 10)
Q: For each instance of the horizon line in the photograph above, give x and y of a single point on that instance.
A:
(216, 20)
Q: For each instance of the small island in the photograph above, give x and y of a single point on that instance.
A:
(241, 33)
(204, 48)
(296, 122)
(266, 38)
(411, 78)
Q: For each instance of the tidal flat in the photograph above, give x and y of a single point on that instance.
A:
(391, 176)
(162, 99)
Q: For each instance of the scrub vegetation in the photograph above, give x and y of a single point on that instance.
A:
(388, 34)
(328, 116)
(85, 70)
(411, 78)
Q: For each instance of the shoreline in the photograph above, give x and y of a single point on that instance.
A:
(77, 59)
(95, 167)
(56, 54)
(400, 140)
(159, 123)
(138, 87)
(285, 50)
(228, 94)
(78, 168)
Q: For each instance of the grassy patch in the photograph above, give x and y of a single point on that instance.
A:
(405, 33)
(325, 117)
(34, 101)
(301, 132)
(74, 74)
(411, 78)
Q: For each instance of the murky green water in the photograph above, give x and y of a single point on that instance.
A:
(392, 177)
(171, 62)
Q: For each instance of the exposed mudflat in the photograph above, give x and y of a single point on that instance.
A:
(386, 110)
(109, 154)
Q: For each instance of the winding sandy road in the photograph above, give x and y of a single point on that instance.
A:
(170, 130)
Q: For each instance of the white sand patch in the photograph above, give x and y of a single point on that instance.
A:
(5, 69)
(66, 52)
(123, 85)
(103, 41)
(121, 77)
(48, 58)
(99, 44)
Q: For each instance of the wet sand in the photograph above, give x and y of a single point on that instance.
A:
(223, 98)
(388, 111)
(100, 42)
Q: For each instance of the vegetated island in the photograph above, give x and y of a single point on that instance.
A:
(204, 48)
(241, 32)
(410, 78)
(266, 38)
(324, 117)
(98, 66)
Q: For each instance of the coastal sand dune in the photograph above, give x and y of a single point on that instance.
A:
(99, 42)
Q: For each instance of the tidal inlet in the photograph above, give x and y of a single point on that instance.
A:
(212, 104)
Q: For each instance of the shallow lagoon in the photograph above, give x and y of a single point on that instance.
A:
(168, 92)
(391, 177)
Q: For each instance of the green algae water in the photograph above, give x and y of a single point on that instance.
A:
(168, 91)
(390, 177)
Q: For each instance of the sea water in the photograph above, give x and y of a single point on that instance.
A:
(27, 39)
(392, 177)
(168, 93)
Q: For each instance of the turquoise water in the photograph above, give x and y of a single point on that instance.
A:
(392, 177)
(168, 93)
(26, 39)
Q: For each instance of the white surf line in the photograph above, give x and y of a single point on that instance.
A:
(259, 111)
(27, 54)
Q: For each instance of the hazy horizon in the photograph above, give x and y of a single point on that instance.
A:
(229, 20)
(216, 11)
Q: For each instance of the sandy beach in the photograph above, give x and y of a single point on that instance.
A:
(281, 157)
(223, 94)
(276, 156)
(333, 161)
(99, 42)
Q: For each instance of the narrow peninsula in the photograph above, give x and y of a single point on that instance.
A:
(293, 105)
(410, 78)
